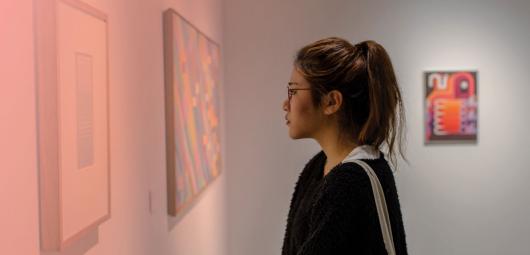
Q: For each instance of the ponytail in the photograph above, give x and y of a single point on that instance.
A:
(386, 117)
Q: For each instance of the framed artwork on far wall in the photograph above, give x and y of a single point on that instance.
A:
(451, 107)
(192, 93)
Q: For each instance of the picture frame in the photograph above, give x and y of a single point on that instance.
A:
(451, 106)
(71, 39)
(192, 110)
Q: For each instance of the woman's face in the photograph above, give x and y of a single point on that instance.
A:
(302, 117)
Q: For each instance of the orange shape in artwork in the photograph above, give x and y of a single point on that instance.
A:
(450, 117)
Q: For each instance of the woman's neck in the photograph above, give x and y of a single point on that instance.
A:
(335, 148)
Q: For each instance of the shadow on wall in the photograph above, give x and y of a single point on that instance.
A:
(79, 247)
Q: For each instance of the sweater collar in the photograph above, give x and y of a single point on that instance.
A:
(362, 152)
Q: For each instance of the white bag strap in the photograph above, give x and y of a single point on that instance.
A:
(380, 203)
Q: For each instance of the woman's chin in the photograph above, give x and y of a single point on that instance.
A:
(295, 135)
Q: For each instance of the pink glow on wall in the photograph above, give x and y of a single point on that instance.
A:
(18, 178)
(139, 223)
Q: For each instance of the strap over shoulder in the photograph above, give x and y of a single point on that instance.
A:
(380, 203)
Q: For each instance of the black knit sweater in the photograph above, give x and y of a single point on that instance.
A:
(336, 213)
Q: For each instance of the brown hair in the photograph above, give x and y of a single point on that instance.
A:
(372, 110)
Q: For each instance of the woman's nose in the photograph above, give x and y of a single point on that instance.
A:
(286, 105)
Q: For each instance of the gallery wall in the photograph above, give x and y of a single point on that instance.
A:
(456, 198)
(139, 222)
(18, 176)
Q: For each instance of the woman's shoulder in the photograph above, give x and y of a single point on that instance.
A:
(351, 177)
(354, 170)
(345, 188)
(346, 177)
(346, 172)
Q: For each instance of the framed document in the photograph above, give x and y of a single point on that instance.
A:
(73, 120)
(192, 77)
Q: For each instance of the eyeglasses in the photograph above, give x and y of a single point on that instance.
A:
(291, 92)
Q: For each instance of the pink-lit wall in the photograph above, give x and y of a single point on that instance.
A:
(18, 174)
(139, 223)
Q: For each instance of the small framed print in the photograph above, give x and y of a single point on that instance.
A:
(451, 107)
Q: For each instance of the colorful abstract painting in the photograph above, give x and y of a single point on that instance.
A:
(451, 106)
(192, 70)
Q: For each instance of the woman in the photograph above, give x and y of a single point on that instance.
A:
(346, 97)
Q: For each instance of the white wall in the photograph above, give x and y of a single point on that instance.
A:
(456, 199)
(137, 134)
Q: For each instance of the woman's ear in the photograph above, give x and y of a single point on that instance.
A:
(331, 102)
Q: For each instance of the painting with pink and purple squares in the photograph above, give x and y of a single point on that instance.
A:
(451, 106)
(192, 68)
